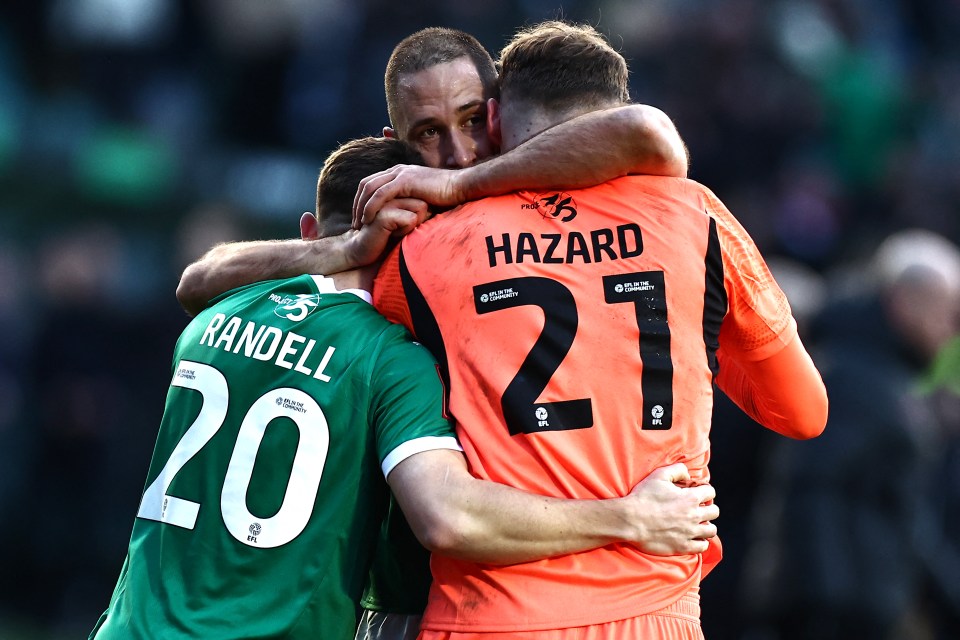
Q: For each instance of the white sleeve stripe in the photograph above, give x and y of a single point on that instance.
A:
(417, 445)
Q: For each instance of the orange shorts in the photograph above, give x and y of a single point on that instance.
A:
(678, 621)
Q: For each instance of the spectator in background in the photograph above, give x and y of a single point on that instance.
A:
(83, 452)
(86, 370)
(941, 386)
(850, 556)
(17, 326)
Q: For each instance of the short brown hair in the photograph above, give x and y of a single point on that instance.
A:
(429, 47)
(558, 65)
(343, 170)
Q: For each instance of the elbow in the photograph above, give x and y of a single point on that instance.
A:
(811, 422)
(677, 166)
(668, 150)
(819, 423)
(188, 291)
(446, 534)
(442, 540)
(808, 430)
(676, 160)
(673, 167)
(816, 416)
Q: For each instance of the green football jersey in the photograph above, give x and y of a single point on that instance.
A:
(289, 403)
(400, 576)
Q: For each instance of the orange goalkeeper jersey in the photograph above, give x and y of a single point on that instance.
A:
(579, 334)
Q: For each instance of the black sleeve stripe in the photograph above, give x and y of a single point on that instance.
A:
(714, 297)
(425, 326)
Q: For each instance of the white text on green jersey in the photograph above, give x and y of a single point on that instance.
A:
(263, 342)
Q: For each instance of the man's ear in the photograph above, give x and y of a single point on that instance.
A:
(493, 122)
(389, 133)
(309, 226)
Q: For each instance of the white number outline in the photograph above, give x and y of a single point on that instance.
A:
(306, 472)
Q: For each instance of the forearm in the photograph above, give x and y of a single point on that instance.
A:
(455, 514)
(231, 265)
(493, 523)
(583, 151)
(662, 515)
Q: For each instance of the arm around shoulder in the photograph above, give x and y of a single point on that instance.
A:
(231, 265)
(583, 151)
(657, 148)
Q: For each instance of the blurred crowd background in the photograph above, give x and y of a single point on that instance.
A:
(134, 134)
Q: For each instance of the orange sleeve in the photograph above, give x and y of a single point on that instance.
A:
(764, 367)
(759, 320)
(784, 392)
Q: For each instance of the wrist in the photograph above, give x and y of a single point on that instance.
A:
(337, 253)
(628, 520)
(463, 185)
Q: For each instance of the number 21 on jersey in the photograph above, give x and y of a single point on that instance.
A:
(521, 410)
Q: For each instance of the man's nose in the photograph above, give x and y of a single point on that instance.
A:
(461, 151)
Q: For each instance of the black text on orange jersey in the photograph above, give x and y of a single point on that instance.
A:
(571, 247)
